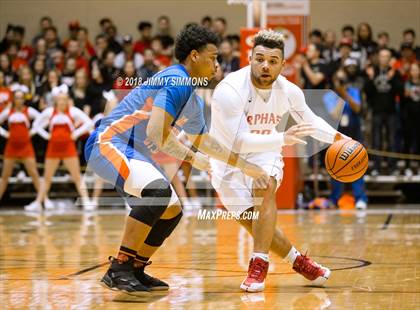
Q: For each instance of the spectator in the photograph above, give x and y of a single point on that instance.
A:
(74, 50)
(97, 85)
(149, 68)
(53, 80)
(207, 22)
(104, 23)
(235, 42)
(51, 39)
(110, 72)
(25, 78)
(40, 51)
(70, 67)
(128, 54)
(113, 41)
(383, 42)
(101, 45)
(311, 70)
(165, 36)
(227, 61)
(408, 57)
(86, 47)
(8, 39)
(409, 36)
(164, 26)
(25, 51)
(38, 69)
(44, 23)
(348, 32)
(145, 29)
(344, 52)
(384, 84)
(365, 43)
(57, 59)
(16, 61)
(6, 68)
(330, 52)
(412, 114)
(157, 47)
(219, 27)
(315, 37)
(5, 93)
(348, 84)
(129, 71)
(78, 91)
(73, 28)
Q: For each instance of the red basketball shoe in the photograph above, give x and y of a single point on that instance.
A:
(312, 271)
(257, 271)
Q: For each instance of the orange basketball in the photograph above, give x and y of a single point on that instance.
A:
(346, 160)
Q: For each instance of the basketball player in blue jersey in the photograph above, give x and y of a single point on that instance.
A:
(146, 120)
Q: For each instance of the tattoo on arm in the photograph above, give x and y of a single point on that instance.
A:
(213, 148)
(173, 147)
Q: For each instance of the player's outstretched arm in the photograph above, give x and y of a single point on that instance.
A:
(210, 146)
(301, 113)
(159, 131)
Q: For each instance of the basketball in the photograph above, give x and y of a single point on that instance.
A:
(346, 160)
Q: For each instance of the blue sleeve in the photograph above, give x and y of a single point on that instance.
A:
(172, 99)
(196, 124)
(354, 93)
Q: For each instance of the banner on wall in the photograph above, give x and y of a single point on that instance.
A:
(247, 36)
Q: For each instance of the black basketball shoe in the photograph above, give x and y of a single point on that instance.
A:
(120, 277)
(152, 283)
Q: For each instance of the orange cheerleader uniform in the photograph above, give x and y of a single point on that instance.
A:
(62, 132)
(19, 144)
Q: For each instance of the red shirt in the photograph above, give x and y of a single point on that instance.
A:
(163, 60)
(140, 46)
(403, 66)
(17, 63)
(25, 52)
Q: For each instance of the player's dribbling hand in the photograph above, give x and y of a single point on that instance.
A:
(341, 136)
(201, 162)
(293, 134)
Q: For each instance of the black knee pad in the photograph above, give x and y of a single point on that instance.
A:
(154, 201)
(162, 230)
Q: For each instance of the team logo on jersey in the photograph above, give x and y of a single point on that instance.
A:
(263, 118)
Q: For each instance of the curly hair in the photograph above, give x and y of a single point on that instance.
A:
(193, 37)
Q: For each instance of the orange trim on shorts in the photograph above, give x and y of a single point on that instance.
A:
(116, 159)
(118, 127)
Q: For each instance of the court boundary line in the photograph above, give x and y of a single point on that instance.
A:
(387, 221)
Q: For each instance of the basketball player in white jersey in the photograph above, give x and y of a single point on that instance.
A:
(246, 108)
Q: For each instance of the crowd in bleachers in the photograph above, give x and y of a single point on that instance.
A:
(380, 83)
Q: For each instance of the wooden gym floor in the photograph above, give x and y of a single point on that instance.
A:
(54, 261)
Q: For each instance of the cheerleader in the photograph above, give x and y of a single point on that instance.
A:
(19, 144)
(62, 121)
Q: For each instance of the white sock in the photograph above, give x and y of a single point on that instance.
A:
(263, 256)
(291, 256)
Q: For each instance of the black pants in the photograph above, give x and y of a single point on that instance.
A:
(382, 121)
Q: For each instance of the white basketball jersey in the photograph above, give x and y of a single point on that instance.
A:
(239, 107)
